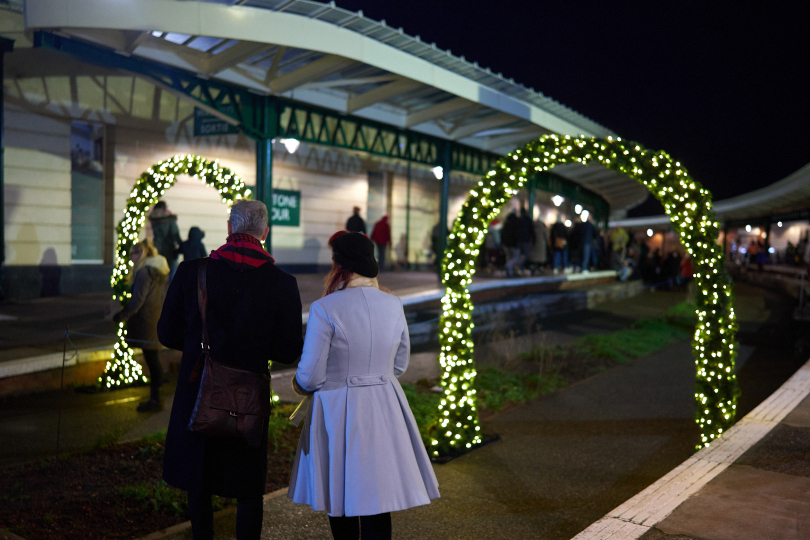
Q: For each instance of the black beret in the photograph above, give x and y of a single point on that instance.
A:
(354, 251)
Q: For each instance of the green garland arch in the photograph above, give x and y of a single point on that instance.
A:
(122, 369)
(689, 206)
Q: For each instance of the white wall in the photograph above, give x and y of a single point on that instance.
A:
(37, 189)
(194, 203)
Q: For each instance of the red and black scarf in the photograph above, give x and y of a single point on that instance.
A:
(243, 252)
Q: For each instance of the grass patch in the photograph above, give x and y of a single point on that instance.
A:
(645, 337)
(156, 437)
(157, 496)
(108, 438)
(424, 405)
(496, 387)
(684, 313)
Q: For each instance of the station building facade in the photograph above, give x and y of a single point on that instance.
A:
(80, 127)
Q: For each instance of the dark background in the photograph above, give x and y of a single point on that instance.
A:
(721, 86)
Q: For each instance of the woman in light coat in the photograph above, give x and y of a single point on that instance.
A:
(360, 453)
(148, 277)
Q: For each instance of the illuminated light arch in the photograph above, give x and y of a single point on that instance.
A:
(122, 369)
(689, 207)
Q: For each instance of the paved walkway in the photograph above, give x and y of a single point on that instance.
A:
(752, 484)
(566, 460)
(561, 464)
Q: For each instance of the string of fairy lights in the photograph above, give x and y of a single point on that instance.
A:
(689, 207)
(122, 369)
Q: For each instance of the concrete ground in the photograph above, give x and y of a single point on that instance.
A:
(566, 460)
(562, 462)
(765, 494)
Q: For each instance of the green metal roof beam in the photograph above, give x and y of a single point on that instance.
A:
(307, 123)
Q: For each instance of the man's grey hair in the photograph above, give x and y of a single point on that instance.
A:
(248, 217)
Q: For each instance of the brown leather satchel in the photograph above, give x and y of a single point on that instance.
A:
(231, 402)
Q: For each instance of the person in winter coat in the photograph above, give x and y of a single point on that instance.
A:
(525, 238)
(356, 223)
(360, 456)
(509, 241)
(492, 243)
(381, 235)
(588, 257)
(538, 256)
(559, 245)
(148, 278)
(166, 234)
(253, 316)
(193, 248)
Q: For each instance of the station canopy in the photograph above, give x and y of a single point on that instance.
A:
(319, 54)
(785, 200)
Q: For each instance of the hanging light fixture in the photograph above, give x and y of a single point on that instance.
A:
(650, 233)
(584, 216)
(578, 209)
(291, 145)
(557, 200)
(438, 172)
(567, 222)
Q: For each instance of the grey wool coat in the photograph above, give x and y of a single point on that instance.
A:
(360, 452)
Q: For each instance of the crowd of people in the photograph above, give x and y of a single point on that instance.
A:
(520, 246)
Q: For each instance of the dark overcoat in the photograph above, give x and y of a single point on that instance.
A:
(253, 316)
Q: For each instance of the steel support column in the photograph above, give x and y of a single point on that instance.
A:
(268, 115)
(531, 198)
(264, 183)
(408, 221)
(446, 162)
(6, 45)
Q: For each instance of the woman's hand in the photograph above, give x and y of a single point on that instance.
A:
(298, 389)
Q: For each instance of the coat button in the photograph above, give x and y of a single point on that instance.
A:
(354, 380)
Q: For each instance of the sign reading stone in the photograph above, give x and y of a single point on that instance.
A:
(206, 124)
(286, 208)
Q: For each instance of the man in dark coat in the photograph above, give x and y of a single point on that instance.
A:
(356, 223)
(525, 236)
(193, 248)
(559, 245)
(254, 315)
(509, 241)
(166, 234)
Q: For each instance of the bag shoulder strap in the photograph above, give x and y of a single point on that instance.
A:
(202, 302)
(202, 299)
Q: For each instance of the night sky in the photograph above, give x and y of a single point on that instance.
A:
(721, 86)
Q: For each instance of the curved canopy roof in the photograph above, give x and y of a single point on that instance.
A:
(777, 201)
(320, 54)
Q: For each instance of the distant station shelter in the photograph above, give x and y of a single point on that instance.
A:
(776, 216)
(317, 108)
